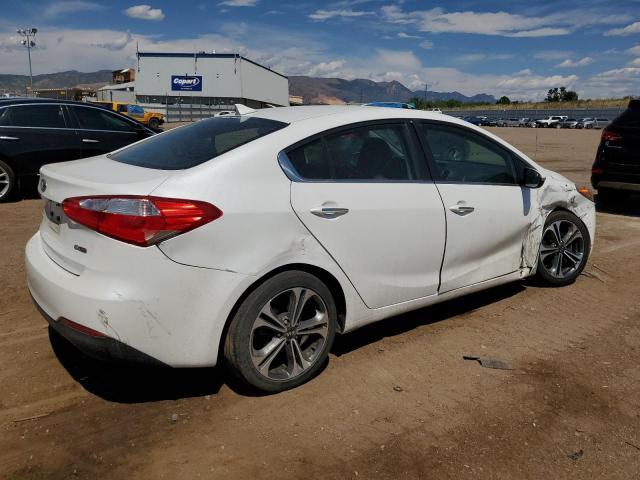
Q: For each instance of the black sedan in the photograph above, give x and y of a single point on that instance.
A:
(37, 131)
(617, 165)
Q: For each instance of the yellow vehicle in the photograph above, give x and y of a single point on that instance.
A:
(151, 119)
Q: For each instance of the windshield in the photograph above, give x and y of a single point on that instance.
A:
(197, 143)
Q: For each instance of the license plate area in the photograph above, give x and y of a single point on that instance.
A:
(55, 214)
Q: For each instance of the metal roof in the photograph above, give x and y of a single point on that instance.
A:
(197, 55)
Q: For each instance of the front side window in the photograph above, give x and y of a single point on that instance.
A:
(460, 155)
(374, 153)
(37, 116)
(91, 118)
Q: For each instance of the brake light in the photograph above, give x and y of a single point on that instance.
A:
(608, 136)
(139, 220)
(597, 171)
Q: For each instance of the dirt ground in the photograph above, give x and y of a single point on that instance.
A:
(396, 399)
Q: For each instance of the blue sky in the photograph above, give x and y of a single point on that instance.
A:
(518, 48)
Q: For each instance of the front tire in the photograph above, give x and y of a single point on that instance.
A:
(8, 182)
(282, 332)
(154, 123)
(564, 249)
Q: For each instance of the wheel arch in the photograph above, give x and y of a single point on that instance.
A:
(326, 277)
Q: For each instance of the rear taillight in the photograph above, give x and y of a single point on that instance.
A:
(139, 220)
(608, 136)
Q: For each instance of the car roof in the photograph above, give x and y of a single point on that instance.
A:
(23, 100)
(297, 114)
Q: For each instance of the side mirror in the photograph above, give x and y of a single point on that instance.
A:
(531, 178)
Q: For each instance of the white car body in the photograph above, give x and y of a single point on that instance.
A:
(552, 120)
(399, 248)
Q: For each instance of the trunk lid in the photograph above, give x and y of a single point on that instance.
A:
(72, 246)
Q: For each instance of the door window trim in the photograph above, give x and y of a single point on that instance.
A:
(428, 155)
(414, 150)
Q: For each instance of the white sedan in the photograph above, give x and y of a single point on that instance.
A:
(255, 238)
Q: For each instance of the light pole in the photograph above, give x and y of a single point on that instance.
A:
(29, 35)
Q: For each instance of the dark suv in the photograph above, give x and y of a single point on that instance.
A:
(617, 165)
(37, 131)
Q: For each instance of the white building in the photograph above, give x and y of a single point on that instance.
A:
(208, 79)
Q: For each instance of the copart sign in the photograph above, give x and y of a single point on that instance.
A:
(186, 83)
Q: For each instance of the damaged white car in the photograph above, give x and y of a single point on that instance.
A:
(255, 238)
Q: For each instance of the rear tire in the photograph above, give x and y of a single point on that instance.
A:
(564, 249)
(8, 182)
(154, 123)
(282, 332)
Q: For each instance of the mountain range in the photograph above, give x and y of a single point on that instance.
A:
(313, 90)
(338, 90)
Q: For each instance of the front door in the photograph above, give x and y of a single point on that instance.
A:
(488, 212)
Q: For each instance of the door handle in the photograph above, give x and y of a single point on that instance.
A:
(90, 140)
(329, 212)
(9, 139)
(461, 210)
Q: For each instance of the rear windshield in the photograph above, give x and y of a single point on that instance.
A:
(629, 118)
(194, 144)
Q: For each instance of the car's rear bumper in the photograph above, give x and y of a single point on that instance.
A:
(154, 311)
(616, 180)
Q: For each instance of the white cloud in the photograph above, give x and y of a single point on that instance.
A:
(426, 44)
(437, 20)
(568, 63)
(117, 43)
(326, 69)
(628, 30)
(239, 3)
(634, 63)
(617, 82)
(144, 12)
(406, 35)
(634, 50)
(63, 7)
(322, 15)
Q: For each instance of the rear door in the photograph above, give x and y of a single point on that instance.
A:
(101, 131)
(487, 211)
(363, 195)
(35, 134)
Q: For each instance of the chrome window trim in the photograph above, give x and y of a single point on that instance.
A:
(134, 124)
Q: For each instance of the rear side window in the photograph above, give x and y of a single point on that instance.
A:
(37, 116)
(90, 118)
(186, 147)
(374, 153)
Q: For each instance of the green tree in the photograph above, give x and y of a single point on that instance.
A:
(503, 100)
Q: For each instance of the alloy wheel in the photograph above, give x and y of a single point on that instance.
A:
(5, 182)
(562, 250)
(289, 334)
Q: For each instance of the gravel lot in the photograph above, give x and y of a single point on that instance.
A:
(395, 401)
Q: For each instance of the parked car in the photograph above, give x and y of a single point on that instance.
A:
(524, 122)
(34, 132)
(617, 165)
(223, 113)
(509, 122)
(550, 121)
(151, 119)
(567, 123)
(594, 123)
(256, 238)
